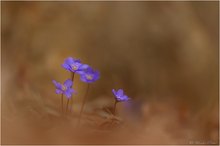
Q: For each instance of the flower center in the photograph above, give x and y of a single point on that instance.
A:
(89, 77)
(74, 67)
(64, 88)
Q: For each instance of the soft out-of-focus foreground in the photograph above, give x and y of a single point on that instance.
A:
(163, 54)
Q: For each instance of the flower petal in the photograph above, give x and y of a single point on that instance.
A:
(66, 66)
(68, 94)
(68, 83)
(77, 60)
(58, 91)
(57, 84)
(69, 60)
(118, 98)
(120, 92)
(125, 98)
(83, 78)
(96, 75)
(89, 69)
(84, 67)
(114, 92)
(80, 72)
(71, 90)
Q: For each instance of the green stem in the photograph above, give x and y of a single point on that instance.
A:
(84, 101)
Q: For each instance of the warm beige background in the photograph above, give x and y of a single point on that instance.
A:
(163, 54)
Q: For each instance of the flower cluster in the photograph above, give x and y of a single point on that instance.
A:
(88, 75)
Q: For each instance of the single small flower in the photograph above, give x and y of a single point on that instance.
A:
(74, 65)
(65, 88)
(119, 95)
(89, 75)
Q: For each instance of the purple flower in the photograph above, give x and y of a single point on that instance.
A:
(65, 88)
(89, 75)
(74, 65)
(119, 95)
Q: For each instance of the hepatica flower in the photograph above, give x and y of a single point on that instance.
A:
(119, 95)
(89, 75)
(74, 65)
(65, 88)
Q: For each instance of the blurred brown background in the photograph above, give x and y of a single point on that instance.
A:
(163, 54)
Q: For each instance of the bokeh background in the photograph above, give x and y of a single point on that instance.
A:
(163, 54)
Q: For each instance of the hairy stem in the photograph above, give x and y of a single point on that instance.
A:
(67, 105)
(72, 75)
(84, 101)
(62, 102)
(71, 104)
(71, 100)
(115, 106)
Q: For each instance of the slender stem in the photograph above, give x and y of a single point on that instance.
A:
(115, 106)
(62, 102)
(73, 74)
(67, 105)
(71, 103)
(71, 100)
(84, 101)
